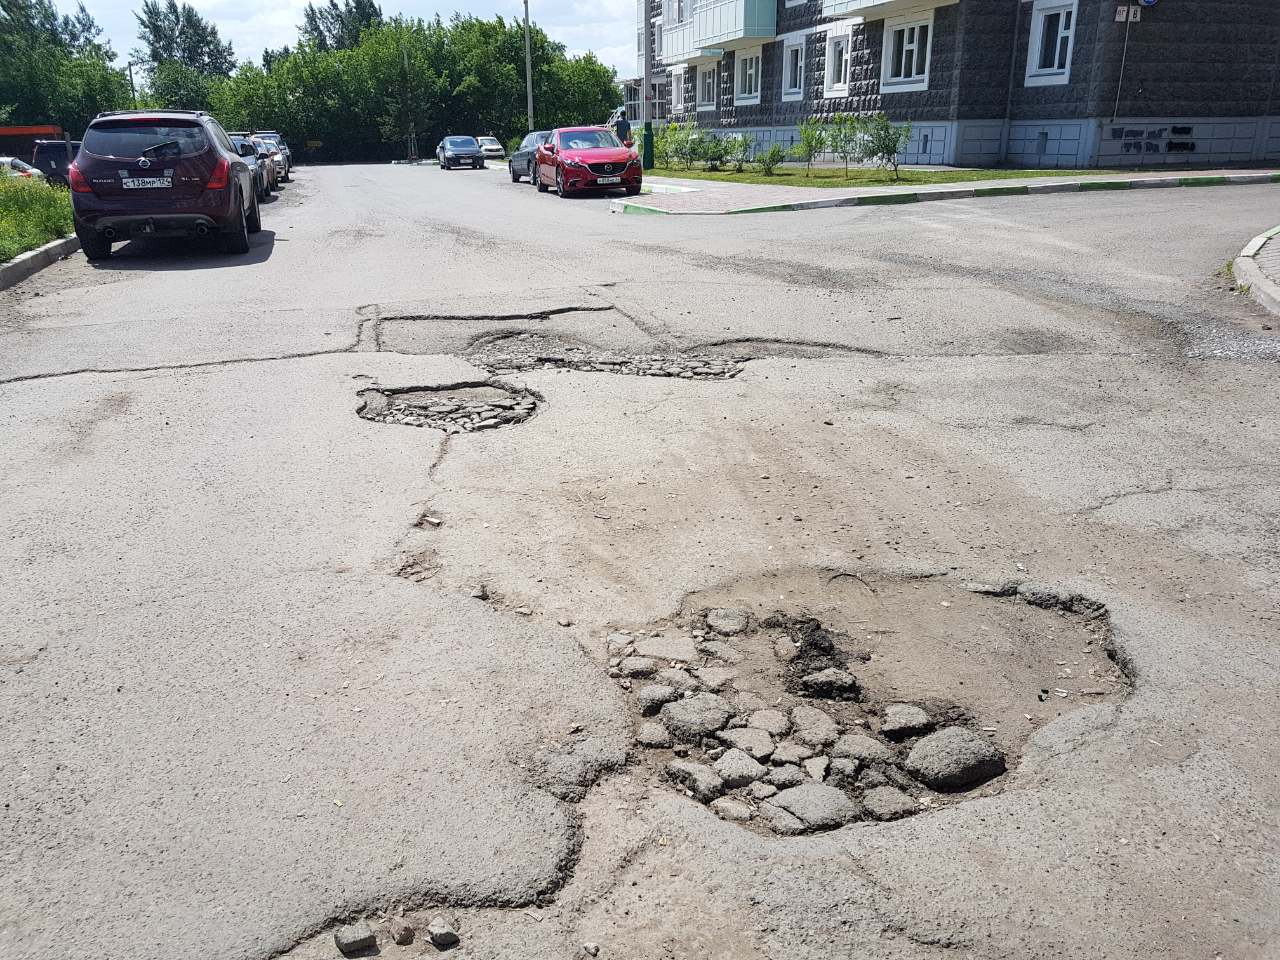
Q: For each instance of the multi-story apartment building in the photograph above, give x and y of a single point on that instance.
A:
(1066, 83)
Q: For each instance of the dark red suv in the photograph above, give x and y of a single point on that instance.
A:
(161, 173)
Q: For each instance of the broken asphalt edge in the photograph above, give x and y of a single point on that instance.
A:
(1264, 290)
(963, 193)
(33, 261)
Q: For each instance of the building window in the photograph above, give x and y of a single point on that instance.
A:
(707, 88)
(906, 54)
(746, 87)
(677, 91)
(1053, 27)
(836, 79)
(793, 70)
(657, 39)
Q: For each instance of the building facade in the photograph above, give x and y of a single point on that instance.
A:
(1042, 83)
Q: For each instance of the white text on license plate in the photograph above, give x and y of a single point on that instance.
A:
(145, 183)
(608, 179)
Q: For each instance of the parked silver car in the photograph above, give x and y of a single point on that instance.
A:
(491, 148)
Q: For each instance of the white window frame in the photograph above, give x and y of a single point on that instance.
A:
(741, 97)
(677, 90)
(833, 85)
(791, 94)
(655, 29)
(713, 72)
(795, 3)
(1041, 9)
(915, 82)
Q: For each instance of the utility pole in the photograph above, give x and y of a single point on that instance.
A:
(133, 92)
(528, 64)
(646, 94)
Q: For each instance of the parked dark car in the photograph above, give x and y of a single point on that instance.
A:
(161, 173)
(521, 162)
(50, 158)
(262, 169)
(459, 152)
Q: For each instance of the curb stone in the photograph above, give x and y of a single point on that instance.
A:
(26, 264)
(1264, 290)
(1012, 190)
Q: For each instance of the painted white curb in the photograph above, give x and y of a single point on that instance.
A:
(33, 261)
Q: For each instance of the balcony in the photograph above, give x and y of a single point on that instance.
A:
(874, 9)
(715, 26)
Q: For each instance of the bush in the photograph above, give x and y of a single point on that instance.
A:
(846, 137)
(31, 214)
(769, 159)
(813, 140)
(713, 152)
(514, 144)
(884, 141)
(738, 150)
(686, 144)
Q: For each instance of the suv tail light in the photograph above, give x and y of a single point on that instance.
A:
(218, 179)
(78, 183)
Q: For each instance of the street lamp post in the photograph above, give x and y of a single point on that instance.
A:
(528, 64)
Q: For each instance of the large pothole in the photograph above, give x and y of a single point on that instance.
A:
(513, 353)
(460, 408)
(906, 696)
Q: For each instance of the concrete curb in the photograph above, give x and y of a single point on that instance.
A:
(964, 193)
(33, 261)
(1264, 290)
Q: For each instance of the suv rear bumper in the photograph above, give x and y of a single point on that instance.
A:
(118, 228)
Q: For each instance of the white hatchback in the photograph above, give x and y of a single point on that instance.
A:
(491, 148)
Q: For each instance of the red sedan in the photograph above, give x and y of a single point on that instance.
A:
(586, 158)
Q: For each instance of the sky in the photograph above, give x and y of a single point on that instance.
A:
(605, 27)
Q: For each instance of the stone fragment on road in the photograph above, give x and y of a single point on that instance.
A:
(353, 937)
(888, 803)
(787, 776)
(722, 651)
(442, 932)
(842, 773)
(813, 727)
(677, 648)
(755, 742)
(618, 643)
(653, 735)
(779, 820)
(859, 746)
(699, 779)
(831, 684)
(954, 758)
(728, 621)
(773, 722)
(682, 680)
(762, 791)
(696, 716)
(904, 719)
(591, 949)
(817, 806)
(400, 931)
(715, 678)
(637, 667)
(816, 768)
(737, 769)
(652, 696)
(789, 751)
(731, 808)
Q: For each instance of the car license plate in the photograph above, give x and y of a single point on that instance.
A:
(608, 179)
(145, 183)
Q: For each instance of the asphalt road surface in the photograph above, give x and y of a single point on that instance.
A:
(246, 691)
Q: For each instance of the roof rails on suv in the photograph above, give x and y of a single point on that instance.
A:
(150, 113)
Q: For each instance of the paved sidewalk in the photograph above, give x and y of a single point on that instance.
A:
(1257, 269)
(718, 197)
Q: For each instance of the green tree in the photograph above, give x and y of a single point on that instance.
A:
(179, 87)
(844, 138)
(170, 32)
(768, 160)
(334, 27)
(813, 141)
(885, 142)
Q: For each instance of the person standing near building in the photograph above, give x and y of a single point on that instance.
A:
(622, 128)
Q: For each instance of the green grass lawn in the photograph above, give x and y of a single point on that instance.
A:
(793, 175)
(31, 214)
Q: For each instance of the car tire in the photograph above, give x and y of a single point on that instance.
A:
(254, 220)
(632, 191)
(542, 187)
(288, 174)
(94, 244)
(531, 173)
(237, 241)
(560, 187)
(515, 177)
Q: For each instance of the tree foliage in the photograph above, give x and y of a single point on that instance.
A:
(170, 32)
(333, 27)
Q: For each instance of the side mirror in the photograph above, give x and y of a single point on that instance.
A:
(628, 143)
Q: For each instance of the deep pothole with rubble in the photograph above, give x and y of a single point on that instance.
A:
(510, 353)
(460, 408)
(919, 698)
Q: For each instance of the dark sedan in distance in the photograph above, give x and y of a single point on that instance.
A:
(521, 162)
(459, 152)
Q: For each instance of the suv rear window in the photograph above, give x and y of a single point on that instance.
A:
(132, 138)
